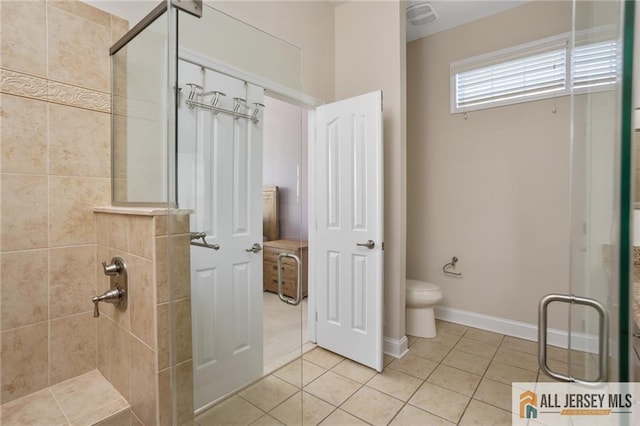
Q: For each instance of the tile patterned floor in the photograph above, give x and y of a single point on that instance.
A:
(463, 377)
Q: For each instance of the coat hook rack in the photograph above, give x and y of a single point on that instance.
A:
(451, 265)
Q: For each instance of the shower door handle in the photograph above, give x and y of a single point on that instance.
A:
(290, 300)
(603, 336)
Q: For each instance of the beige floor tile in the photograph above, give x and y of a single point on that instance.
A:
(234, 410)
(387, 359)
(517, 358)
(291, 372)
(481, 414)
(494, 393)
(268, 392)
(333, 388)
(372, 406)
(508, 374)
(414, 365)
(467, 362)
(430, 350)
(266, 420)
(444, 339)
(411, 340)
(543, 378)
(302, 408)
(412, 416)
(455, 380)
(340, 418)
(323, 358)
(395, 383)
(354, 371)
(451, 328)
(442, 402)
(476, 348)
(36, 408)
(486, 337)
(520, 345)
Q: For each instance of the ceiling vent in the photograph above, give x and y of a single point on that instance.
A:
(421, 13)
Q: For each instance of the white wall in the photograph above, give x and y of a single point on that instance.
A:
(285, 164)
(493, 189)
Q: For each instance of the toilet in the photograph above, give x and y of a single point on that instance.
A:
(421, 298)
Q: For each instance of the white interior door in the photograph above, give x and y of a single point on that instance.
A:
(346, 246)
(221, 180)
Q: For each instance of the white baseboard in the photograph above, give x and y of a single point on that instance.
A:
(579, 341)
(396, 348)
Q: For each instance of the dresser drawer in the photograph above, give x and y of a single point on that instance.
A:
(271, 254)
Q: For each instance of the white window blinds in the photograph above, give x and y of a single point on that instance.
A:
(520, 78)
(533, 71)
(595, 64)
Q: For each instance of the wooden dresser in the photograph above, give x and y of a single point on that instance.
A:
(289, 269)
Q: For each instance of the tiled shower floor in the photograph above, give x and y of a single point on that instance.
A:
(463, 377)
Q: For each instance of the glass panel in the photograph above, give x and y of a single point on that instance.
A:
(139, 117)
(234, 146)
(596, 199)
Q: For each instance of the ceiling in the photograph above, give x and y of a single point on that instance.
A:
(452, 13)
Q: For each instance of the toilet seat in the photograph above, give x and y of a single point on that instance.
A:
(422, 288)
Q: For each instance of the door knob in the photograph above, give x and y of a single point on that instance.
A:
(255, 248)
(369, 244)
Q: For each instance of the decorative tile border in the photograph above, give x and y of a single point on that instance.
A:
(16, 83)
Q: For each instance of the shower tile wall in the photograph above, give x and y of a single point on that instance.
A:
(54, 169)
(133, 346)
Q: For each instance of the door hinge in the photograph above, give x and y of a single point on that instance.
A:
(383, 246)
(316, 317)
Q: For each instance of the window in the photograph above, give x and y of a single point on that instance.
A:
(532, 71)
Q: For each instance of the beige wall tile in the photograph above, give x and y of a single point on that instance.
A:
(122, 419)
(141, 236)
(23, 38)
(143, 374)
(24, 212)
(163, 335)
(182, 311)
(88, 99)
(178, 223)
(78, 50)
(180, 256)
(112, 231)
(24, 288)
(24, 135)
(162, 270)
(83, 10)
(79, 142)
(164, 396)
(161, 225)
(119, 28)
(142, 300)
(25, 359)
(71, 204)
(119, 361)
(103, 347)
(184, 389)
(72, 280)
(73, 346)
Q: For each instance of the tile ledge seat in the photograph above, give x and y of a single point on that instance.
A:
(141, 211)
(88, 399)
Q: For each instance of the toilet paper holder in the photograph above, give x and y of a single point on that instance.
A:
(451, 265)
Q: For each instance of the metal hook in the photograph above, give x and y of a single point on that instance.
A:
(192, 92)
(256, 109)
(237, 103)
(216, 97)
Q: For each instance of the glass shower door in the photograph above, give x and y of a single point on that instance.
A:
(223, 143)
(600, 190)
